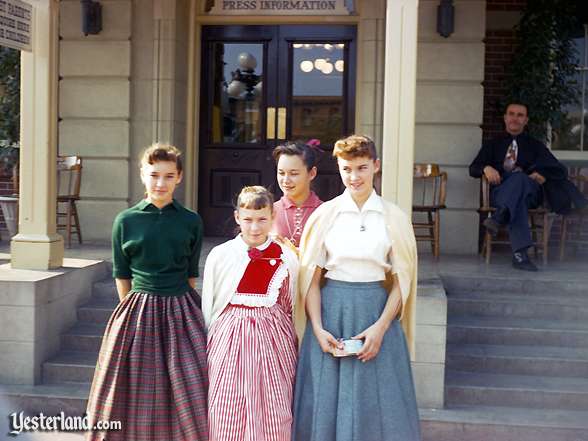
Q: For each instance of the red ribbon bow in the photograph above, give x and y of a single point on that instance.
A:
(254, 253)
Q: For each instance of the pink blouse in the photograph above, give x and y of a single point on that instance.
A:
(289, 220)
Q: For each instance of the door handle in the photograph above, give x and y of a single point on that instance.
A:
(271, 123)
(282, 112)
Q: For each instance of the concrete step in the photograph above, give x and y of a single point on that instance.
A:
(51, 399)
(518, 360)
(70, 367)
(98, 310)
(83, 338)
(509, 331)
(520, 306)
(482, 389)
(513, 282)
(105, 289)
(482, 423)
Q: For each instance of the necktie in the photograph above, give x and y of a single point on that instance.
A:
(510, 159)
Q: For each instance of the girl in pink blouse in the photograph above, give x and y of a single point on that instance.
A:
(296, 168)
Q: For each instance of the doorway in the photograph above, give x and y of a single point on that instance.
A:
(262, 85)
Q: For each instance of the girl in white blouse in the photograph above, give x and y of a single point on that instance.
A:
(357, 281)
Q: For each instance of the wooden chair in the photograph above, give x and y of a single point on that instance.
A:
(429, 189)
(578, 216)
(540, 220)
(69, 180)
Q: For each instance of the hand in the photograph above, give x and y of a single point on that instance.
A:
(372, 341)
(492, 175)
(539, 179)
(326, 341)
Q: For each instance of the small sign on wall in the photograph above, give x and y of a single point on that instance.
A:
(16, 24)
(280, 7)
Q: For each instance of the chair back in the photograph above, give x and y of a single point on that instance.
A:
(581, 181)
(429, 186)
(69, 176)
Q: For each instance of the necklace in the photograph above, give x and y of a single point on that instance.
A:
(299, 217)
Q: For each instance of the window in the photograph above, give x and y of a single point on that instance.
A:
(572, 135)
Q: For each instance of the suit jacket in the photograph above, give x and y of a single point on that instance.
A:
(533, 156)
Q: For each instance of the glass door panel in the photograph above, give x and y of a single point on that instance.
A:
(237, 103)
(317, 100)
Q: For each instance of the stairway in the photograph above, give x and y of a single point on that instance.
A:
(516, 364)
(66, 377)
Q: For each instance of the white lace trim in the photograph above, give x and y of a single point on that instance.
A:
(268, 299)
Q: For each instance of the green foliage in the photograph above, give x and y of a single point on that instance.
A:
(9, 94)
(9, 155)
(542, 72)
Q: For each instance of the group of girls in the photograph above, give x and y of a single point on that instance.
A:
(304, 329)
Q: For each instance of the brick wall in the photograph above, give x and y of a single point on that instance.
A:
(505, 5)
(500, 47)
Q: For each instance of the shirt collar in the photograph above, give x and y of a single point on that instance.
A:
(373, 203)
(240, 243)
(311, 202)
(145, 204)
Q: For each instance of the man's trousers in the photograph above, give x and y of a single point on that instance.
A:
(512, 198)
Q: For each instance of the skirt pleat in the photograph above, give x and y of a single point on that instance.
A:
(344, 399)
(151, 373)
(252, 363)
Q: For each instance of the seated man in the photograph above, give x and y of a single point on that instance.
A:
(516, 166)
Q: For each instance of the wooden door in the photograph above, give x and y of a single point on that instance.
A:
(262, 85)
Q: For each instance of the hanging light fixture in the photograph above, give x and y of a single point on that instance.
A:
(306, 66)
(340, 65)
(319, 63)
(445, 18)
(327, 68)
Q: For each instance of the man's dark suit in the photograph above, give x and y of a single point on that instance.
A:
(517, 192)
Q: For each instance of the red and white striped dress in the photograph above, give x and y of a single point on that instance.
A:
(252, 354)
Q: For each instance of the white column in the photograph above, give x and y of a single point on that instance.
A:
(37, 245)
(399, 101)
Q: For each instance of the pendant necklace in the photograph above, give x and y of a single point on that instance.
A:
(299, 216)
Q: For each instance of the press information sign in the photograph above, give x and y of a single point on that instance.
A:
(16, 24)
(280, 7)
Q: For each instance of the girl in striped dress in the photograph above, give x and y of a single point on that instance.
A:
(247, 302)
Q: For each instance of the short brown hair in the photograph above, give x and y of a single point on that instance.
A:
(255, 197)
(355, 146)
(159, 152)
(297, 148)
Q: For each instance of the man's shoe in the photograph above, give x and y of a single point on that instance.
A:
(521, 261)
(491, 225)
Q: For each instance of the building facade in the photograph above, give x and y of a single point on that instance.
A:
(170, 71)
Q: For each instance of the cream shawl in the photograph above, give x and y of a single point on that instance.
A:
(403, 276)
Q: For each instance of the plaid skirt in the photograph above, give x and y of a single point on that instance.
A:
(151, 373)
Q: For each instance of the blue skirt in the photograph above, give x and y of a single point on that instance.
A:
(343, 399)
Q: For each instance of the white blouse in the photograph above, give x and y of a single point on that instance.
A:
(357, 247)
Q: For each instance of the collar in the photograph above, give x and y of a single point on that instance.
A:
(145, 204)
(373, 203)
(312, 201)
(242, 246)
